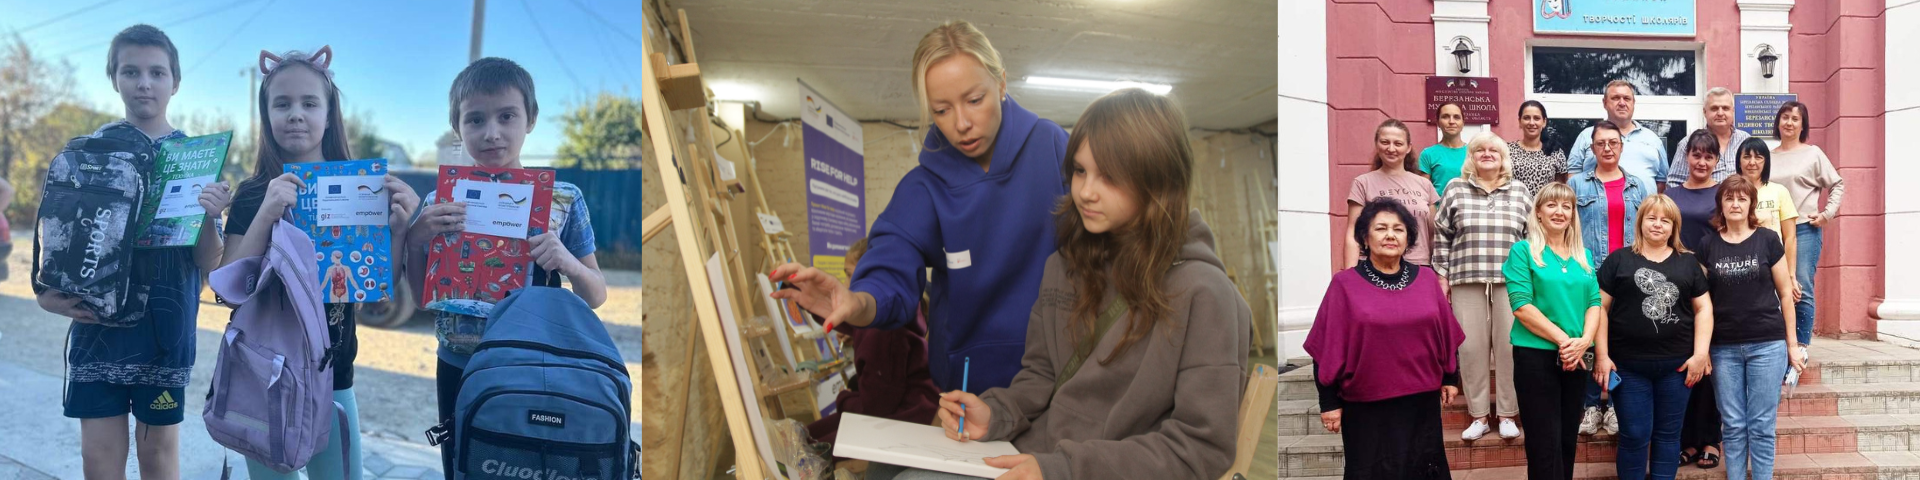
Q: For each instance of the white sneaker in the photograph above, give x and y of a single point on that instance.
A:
(1475, 431)
(1590, 421)
(1612, 423)
(1508, 429)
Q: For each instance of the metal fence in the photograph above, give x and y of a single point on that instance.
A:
(613, 197)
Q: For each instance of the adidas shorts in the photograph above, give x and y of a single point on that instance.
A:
(150, 405)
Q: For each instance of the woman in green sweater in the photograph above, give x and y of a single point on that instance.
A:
(1556, 301)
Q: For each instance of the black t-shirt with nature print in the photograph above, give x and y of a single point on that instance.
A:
(1746, 307)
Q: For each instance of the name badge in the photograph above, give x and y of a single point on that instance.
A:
(960, 259)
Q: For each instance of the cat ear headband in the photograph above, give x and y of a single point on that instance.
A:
(320, 58)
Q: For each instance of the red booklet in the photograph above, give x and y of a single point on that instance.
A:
(492, 257)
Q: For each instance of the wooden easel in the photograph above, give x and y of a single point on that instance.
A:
(776, 249)
(698, 208)
(703, 227)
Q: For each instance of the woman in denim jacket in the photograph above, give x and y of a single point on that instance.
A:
(1608, 201)
(1604, 224)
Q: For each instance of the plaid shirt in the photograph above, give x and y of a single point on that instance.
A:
(1474, 229)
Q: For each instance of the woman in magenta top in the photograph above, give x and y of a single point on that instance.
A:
(1385, 350)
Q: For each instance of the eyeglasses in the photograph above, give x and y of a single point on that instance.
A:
(1607, 144)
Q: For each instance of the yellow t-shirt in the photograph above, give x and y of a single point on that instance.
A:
(1775, 208)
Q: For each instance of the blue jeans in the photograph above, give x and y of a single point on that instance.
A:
(1805, 266)
(1593, 396)
(1652, 404)
(1748, 378)
(327, 463)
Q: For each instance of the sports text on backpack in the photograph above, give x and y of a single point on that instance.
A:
(84, 240)
(546, 395)
(272, 396)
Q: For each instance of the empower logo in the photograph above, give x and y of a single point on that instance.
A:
(505, 470)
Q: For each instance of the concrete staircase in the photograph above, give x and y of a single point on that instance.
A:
(1855, 416)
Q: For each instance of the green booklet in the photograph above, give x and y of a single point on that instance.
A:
(171, 215)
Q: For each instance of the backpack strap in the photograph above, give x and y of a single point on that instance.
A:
(636, 458)
(329, 309)
(34, 280)
(441, 433)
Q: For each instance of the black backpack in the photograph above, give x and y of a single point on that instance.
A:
(84, 231)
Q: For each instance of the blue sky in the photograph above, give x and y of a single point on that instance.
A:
(394, 60)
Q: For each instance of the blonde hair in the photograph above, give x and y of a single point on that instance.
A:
(1661, 204)
(1499, 146)
(948, 39)
(1537, 235)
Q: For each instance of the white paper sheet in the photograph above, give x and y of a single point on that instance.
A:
(773, 307)
(910, 445)
(751, 398)
(498, 209)
(181, 197)
(351, 200)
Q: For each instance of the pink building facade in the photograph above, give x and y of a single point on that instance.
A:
(1346, 65)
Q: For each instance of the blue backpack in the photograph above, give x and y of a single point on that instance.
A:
(546, 395)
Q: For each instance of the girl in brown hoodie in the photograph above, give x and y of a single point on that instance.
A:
(1136, 347)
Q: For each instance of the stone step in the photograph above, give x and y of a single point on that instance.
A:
(1835, 362)
(1302, 417)
(1322, 452)
(1825, 466)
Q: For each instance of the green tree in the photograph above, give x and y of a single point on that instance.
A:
(602, 135)
(38, 144)
(30, 87)
(363, 136)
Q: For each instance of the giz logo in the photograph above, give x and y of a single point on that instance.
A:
(96, 241)
(496, 467)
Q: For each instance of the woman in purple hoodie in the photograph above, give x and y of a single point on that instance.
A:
(1385, 350)
(977, 211)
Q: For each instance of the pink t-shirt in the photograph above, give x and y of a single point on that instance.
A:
(1413, 191)
(1616, 213)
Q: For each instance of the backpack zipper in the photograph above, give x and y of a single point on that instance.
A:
(564, 352)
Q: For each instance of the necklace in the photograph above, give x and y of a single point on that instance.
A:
(1378, 279)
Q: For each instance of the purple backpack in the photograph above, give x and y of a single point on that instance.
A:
(272, 396)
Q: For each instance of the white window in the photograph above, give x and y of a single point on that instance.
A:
(1569, 80)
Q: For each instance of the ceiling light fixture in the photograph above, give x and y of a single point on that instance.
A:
(736, 91)
(1104, 86)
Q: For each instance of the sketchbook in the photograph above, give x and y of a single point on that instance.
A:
(911, 445)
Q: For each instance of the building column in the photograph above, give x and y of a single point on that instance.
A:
(1304, 116)
(1764, 22)
(1453, 19)
(1899, 312)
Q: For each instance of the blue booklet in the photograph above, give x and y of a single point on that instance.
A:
(344, 210)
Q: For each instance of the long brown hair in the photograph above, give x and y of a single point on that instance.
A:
(1139, 140)
(333, 142)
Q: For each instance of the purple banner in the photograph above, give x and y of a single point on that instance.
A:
(836, 170)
